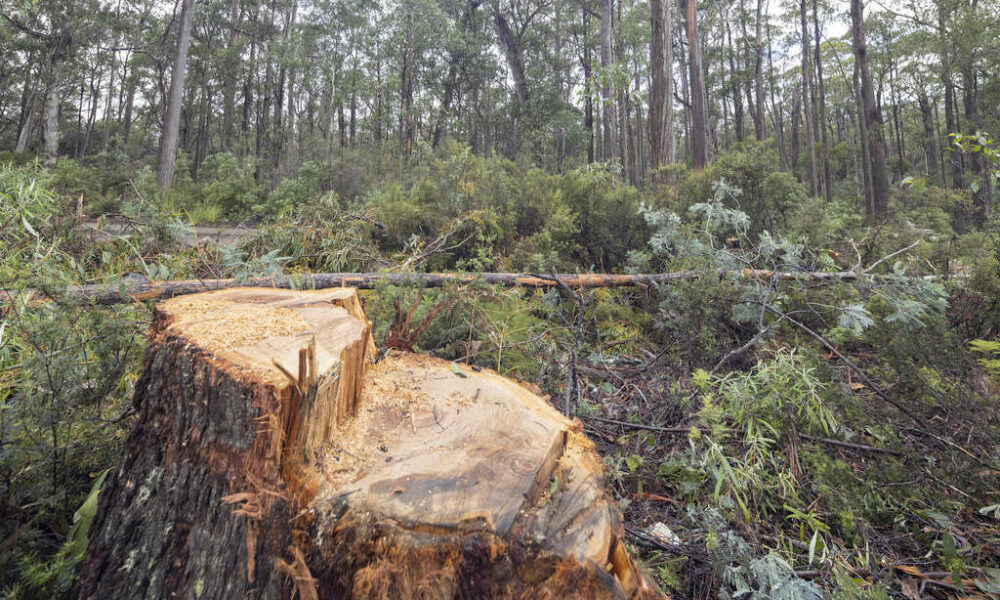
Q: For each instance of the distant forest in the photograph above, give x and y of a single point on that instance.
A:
(853, 99)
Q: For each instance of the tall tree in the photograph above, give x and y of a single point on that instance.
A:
(821, 101)
(172, 120)
(807, 104)
(878, 202)
(230, 73)
(661, 91)
(699, 105)
(760, 127)
(607, 87)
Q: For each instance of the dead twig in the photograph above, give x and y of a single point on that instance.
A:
(840, 444)
(626, 425)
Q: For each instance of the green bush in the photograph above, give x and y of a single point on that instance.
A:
(768, 195)
(228, 184)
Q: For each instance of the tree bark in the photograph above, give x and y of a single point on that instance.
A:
(661, 91)
(53, 95)
(607, 88)
(514, 54)
(822, 124)
(776, 110)
(807, 104)
(407, 130)
(268, 459)
(864, 146)
(930, 137)
(796, 150)
(734, 85)
(872, 117)
(588, 77)
(231, 66)
(699, 103)
(27, 122)
(760, 127)
(983, 196)
(172, 120)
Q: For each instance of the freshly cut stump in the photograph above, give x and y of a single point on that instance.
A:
(271, 459)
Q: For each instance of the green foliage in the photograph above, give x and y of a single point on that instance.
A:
(853, 588)
(226, 184)
(724, 360)
(983, 144)
(292, 192)
(744, 418)
(65, 376)
(522, 219)
(768, 195)
(990, 352)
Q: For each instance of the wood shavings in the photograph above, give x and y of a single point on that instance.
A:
(222, 325)
(388, 405)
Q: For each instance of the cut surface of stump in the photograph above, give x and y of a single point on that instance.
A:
(270, 457)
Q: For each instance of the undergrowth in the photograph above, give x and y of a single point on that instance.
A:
(801, 437)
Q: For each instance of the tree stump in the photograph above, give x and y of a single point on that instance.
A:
(271, 459)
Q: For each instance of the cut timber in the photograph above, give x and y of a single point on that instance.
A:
(270, 459)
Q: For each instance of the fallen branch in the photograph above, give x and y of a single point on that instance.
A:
(857, 370)
(119, 292)
(840, 444)
(645, 540)
(684, 429)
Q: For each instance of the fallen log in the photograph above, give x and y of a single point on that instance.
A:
(119, 292)
(270, 458)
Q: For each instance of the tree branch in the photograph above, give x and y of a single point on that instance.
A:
(119, 292)
(23, 27)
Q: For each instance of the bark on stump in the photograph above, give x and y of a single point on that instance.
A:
(270, 459)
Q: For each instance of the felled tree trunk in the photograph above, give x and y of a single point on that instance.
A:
(270, 459)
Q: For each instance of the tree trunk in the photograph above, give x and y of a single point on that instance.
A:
(514, 55)
(865, 147)
(588, 75)
(796, 149)
(983, 196)
(758, 76)
(699, 103)
(115, 293)
(734, 85)
(661, 91)
(776, 110)
(807, 104)
(232, 63)
(685, 101)
(607, 89)
(92, 103)
(27, 122)
(821, 124)
(930, 137)
(50, 129)
(871, 116)
(172, 120)
(406, 108)
(269, 459)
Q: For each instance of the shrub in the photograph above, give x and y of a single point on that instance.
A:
(768, 195)
(227, 184)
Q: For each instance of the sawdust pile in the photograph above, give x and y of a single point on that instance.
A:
(220, 325)
(389, 400)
